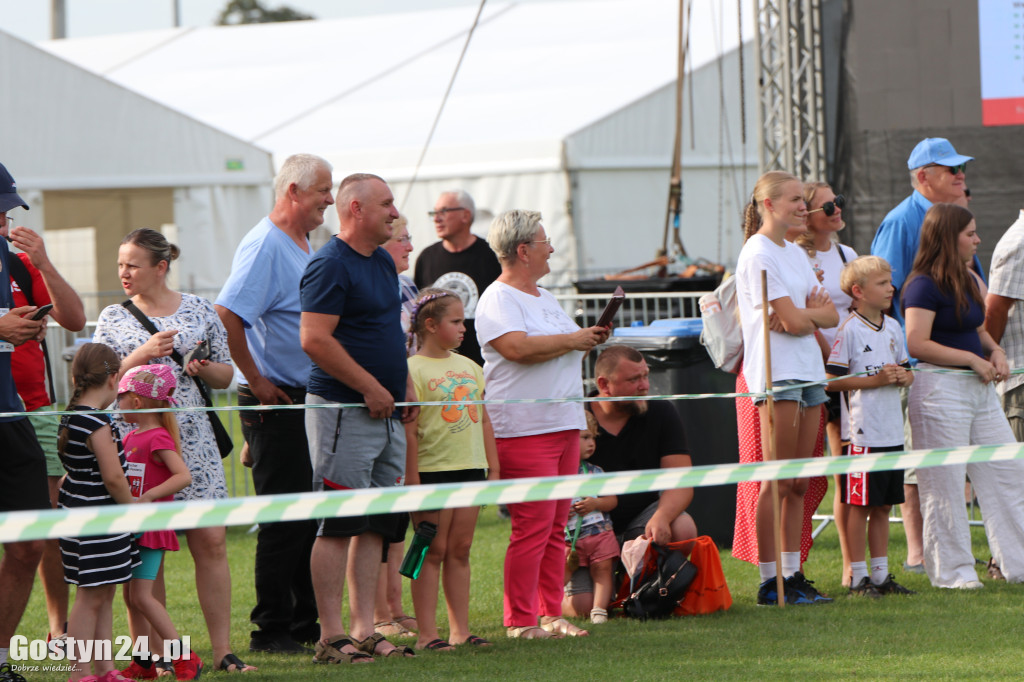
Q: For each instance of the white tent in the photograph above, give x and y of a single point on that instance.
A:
(96, 160)
(566, 107)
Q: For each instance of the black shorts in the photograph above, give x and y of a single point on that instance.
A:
(457, 476)
(22, 468)
(871, 488)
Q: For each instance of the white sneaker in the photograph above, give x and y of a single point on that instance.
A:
(968, 585)
(598, 616)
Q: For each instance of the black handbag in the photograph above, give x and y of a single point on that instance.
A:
(661, 591)
(223, 438)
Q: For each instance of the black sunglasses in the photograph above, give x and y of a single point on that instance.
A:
(829, 207)
(953, 170)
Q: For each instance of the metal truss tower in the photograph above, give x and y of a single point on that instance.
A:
(791, 106)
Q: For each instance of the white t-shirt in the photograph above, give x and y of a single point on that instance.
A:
(789, 275)
(831, 265)
(871, 417)
(503, 309)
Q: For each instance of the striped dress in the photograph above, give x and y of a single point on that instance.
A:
(102, 559)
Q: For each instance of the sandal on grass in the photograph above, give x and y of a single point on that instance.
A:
(401, 620)
(563, 627)
(390, 628)
(437, 645)
(240, 666)
(476, 641)
(331, 652)
(531, 632)
(370, 644)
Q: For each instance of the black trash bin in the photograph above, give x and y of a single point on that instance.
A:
(680, 364)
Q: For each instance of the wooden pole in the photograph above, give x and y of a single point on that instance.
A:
(769, 450)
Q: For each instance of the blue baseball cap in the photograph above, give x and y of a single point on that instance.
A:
(935, 150)
(9, 192)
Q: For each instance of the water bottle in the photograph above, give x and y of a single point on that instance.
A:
(413, 561)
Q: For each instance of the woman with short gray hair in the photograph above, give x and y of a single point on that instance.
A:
(532, 349)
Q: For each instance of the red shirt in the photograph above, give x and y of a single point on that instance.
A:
(27, 364)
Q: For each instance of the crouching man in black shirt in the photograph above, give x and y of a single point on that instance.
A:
(635, 434)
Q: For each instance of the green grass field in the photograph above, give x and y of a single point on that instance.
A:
(937, 634)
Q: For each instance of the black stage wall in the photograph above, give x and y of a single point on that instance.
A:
(897, 71)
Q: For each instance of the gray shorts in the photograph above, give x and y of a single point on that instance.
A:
(350, 450)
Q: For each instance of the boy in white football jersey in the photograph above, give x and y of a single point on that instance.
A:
(870, 344)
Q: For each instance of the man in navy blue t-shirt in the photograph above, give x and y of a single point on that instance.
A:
(22, 466)
(351, 329)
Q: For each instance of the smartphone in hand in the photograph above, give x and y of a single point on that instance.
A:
(42, 312)
(200, 352)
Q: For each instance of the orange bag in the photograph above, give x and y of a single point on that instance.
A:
(708, 592)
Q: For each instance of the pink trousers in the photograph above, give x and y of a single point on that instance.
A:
(535, 560)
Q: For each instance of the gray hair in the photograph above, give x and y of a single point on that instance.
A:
(913, 177)
(300, 169)
(464, 200)
(510, 229)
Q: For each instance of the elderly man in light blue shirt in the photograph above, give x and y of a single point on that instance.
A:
(937, 174)
(260, 308)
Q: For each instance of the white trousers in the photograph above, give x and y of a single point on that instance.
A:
(951, 410)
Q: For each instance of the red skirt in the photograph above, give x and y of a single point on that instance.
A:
(744, 543)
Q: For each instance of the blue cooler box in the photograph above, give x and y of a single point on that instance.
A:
(680, 364)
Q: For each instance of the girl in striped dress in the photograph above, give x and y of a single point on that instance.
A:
(91, 453)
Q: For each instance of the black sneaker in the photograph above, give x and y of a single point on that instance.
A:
(890, 586)
(767, 595)
(866, 588)
(8, 674)
(277, 644)
(805, 588)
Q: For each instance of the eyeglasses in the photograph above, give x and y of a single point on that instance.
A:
(542, 241)
(442, 211)
(404, 240)
(953, 170)
(829, 207)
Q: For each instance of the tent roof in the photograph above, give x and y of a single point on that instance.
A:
(364, 91)
(66, 128)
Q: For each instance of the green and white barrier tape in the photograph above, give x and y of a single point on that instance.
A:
(29, 525)
(515, 401)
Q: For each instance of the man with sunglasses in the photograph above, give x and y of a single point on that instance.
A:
(460, 262)
(937, 174)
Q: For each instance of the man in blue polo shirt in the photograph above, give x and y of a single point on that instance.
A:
(937, 174)
(351, 329)
(260, 308)
(22, 465)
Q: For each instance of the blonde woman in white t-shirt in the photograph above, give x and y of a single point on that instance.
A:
(799, 306)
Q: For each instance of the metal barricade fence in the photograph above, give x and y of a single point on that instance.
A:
(638, 308)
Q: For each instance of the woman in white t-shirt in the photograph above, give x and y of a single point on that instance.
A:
(799, 307)
(532, 349)
(828, 258)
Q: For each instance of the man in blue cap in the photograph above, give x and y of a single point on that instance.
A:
(22, 466)
(937, 174)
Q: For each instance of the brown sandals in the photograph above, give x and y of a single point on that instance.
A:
(332, 653)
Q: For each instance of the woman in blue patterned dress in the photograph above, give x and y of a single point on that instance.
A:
(182, 321)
